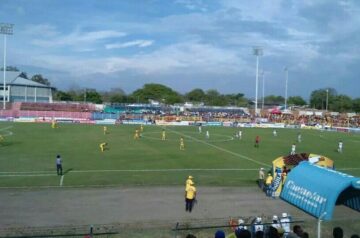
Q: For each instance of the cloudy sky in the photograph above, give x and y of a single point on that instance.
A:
(187, 44)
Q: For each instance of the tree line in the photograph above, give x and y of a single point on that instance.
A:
(325, 98)
(319, 99)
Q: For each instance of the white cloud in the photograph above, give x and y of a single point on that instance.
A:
(44, 30)
(138, 43)
(189, 57)
(77, 38)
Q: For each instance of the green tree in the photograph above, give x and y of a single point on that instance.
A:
(114, 93)
(196, 95)
(356, 104)
(89, 95)
(341, 103)
(157, 92)
(296, 100)
(63, 96)
(318, 98)
(40, 79)
(23, 75)
(236, 100)
(272, 99)
(10, 68)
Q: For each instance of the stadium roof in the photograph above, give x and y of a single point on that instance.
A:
(13, 78)
(317, 190)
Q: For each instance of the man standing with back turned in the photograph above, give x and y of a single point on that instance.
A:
(58, 165)
(190, 195)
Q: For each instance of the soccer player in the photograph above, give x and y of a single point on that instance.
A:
(299, 137)
(240, 134)
(163, 135)
(207, 135)
(182, 144)
(274, 133)
(340, 147)
(103, 146)
(200, 129)
(105, 130)
(54, 124)
(257, 141)
(1, 139)
(136, 135)
(141, 128)
(58, 165)
(293, 149)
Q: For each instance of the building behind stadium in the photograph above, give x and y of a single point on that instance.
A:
(19, 89)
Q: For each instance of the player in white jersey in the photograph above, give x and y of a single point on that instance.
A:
(274, 133)
(293, 149)
(207, 135)
(340, 147)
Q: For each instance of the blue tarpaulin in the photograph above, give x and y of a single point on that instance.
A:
(317, 190)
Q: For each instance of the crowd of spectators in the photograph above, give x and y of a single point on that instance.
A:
(273, 231)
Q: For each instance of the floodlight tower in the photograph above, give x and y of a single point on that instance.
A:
(327, 99)
(257, 51)
(286, 85)
(5, 29)
(263, 89)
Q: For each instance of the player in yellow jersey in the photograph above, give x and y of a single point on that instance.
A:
(141, 128)
(54, 124)
(136, 135)
(1, 139)
(103, 146)
(163, 135)
(182, 145)
(105, 130)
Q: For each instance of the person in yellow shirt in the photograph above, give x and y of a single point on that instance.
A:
(136, 135)
(189, 181)
(141, 128)
(103, 146)
(268, 183)
(1, 139)
(105, 130)
(54, 124)
(190, 196)
(163, 135)
(182, 144)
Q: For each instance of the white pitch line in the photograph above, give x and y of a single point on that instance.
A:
(5, 128)
(61, 180)
(25, 175)
(220, 148)
(41, 173)
(32, 173)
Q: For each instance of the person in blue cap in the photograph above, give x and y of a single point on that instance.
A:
(220, 234)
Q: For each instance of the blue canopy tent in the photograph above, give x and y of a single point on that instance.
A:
(317, 190)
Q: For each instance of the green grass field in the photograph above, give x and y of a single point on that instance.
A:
(27, 156)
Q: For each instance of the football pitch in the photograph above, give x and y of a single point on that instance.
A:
(27, 155)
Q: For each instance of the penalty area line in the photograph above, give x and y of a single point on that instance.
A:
(61, 180)
(220, 148)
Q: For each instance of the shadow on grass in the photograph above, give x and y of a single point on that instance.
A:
(67, 171)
